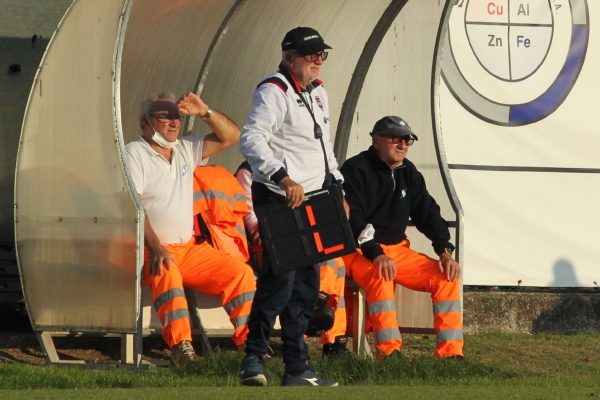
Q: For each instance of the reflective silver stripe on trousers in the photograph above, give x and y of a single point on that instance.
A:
(383, 335)
(341, 302)
(240, 197)
(240, 229)
(341, 272)
(238, 301)
(381, 306)
(449, 334)
(329, 264)
(447, 306)
(240, 321)
(168, 296)
(175, 315)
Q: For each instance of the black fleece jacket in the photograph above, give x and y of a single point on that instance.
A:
(386, 199)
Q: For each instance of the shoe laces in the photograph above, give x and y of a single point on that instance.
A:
(187, 349)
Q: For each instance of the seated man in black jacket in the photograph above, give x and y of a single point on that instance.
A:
(384, 190)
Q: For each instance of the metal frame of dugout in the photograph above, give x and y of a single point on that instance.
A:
(78, 226)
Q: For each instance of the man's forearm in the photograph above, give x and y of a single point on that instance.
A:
(224, 128)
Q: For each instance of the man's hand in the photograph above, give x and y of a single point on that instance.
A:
(191, 104)
(255, 235)
(346, 208)
(293, 192)
(160, 256)
(386, 267)
(449, 267)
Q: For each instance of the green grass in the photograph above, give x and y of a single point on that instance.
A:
(425, 392)
(539, 366)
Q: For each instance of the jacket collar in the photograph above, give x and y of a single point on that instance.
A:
(378, 163)
(297, 88)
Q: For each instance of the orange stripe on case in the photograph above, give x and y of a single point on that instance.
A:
(317, 238)
(333, 249)
(311, 216)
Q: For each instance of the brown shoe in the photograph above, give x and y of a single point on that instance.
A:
(183, 353)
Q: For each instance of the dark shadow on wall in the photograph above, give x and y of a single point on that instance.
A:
(564, 275)
(575, 312)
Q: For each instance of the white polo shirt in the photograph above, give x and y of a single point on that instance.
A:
(166, 189)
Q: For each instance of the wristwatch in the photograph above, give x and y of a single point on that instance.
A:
(209, 112)
(447, 251)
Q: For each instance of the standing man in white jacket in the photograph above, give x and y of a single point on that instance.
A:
(280, 140)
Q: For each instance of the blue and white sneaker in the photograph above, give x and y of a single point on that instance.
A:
(252, 371)
(306, 378)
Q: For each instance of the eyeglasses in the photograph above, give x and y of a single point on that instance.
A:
(314, 57)
(165, 117)
(397, 140)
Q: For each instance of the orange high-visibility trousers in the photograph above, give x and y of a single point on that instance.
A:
(418, 272)
(207, 270)
(380, 301)
(333, 281)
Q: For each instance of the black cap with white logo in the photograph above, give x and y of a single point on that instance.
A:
(304, 40)
(393, 126)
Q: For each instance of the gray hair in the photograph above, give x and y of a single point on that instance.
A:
(285, 56)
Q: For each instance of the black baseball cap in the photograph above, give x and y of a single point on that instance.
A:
(393, 126)
(304, 40)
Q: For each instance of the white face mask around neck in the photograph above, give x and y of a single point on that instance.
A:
(160, 140)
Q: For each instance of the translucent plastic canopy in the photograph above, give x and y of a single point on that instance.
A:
(492, 129)
(79, 230)
(77, 225)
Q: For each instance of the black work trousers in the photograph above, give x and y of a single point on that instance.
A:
(291, 295)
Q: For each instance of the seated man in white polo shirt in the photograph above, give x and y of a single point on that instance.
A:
(162, 168)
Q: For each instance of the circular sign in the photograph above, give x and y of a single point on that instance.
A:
(513, 62)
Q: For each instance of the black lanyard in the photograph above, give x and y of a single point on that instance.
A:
(318, 132)
(317, 129)
(318, 135)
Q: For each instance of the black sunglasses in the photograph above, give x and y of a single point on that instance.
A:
(165, 117)
(396, 140)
